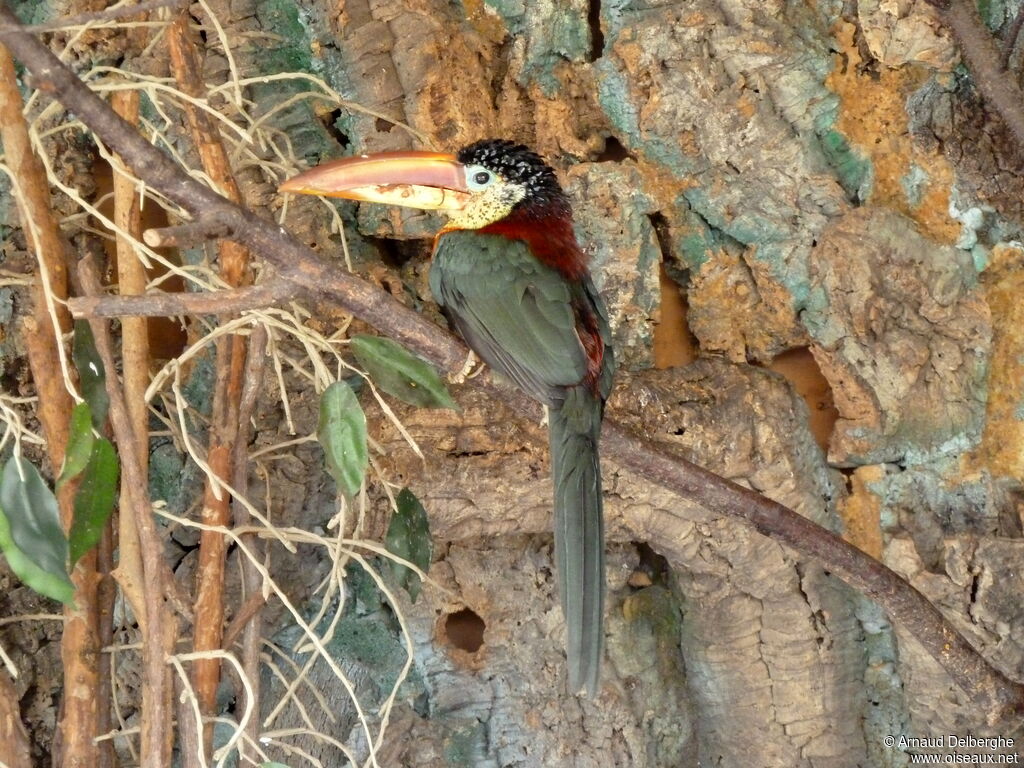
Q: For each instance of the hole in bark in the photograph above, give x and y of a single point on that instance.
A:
(383, 126)
(395, 253)
(613, 151)
(330, 122)
(596, 34)
(465, 630)
(800, 368)
(651, 568)
(674, 345)
(198, 22)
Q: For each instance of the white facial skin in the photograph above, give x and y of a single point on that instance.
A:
(492, 199)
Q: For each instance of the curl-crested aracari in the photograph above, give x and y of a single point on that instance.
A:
(511, 278)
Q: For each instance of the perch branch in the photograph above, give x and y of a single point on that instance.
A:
(983, 58)
(991, 690)
(901, 601)
(1010, 40)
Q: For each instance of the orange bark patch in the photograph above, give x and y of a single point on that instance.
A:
(674, 345)
(862, 509)
(488, 25)
(873, 117)
(1002, 443)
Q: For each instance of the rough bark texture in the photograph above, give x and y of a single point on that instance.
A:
(813, 177)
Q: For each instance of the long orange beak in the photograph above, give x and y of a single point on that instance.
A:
(427, 180)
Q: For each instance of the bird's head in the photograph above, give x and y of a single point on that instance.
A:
(485, 183)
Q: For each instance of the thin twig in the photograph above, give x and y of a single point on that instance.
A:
(185, 235)
(131, 279)
(158, 630)
(991, 690)
(188, 735)
(252, 639)
(252, 606)
(106, 596)
(269, 293)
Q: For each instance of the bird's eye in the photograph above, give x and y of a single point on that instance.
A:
(478, 177)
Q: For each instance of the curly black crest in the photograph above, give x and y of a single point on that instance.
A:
(519, 165)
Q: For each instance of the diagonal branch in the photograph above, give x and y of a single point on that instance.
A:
(984, 59)
(294, 262)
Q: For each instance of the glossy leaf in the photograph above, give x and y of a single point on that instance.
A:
(408, 537)
(91, 375)
(80, 442)
(400, 373)
(342, 433)
(31, 536)
(94, 499)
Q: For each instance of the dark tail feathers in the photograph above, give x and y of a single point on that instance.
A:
(574, 431)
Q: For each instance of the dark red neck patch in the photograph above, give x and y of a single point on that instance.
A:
(550, 237)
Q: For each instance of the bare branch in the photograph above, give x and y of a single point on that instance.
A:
(983, 58)
(234, 259)
(79, 722)
(131, 279)
(185, 235)
(157, 629)
(159, 304)
(252, 625)
(991, 690)
(1010, 40)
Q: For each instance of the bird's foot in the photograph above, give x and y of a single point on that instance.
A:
(467, 371)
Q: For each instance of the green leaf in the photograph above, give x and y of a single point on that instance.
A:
(30, 533)
(94, 499)
(90, 373)
(273, 765)
(408, 537)
(400, 373)
(342, 433)
(80, 441)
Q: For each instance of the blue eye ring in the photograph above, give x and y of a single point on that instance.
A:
(478, 177)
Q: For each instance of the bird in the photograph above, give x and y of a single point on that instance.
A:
(510, 276)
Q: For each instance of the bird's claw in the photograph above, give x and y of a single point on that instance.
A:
(467, 371)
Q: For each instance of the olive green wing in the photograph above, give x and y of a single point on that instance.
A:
(513, 311)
